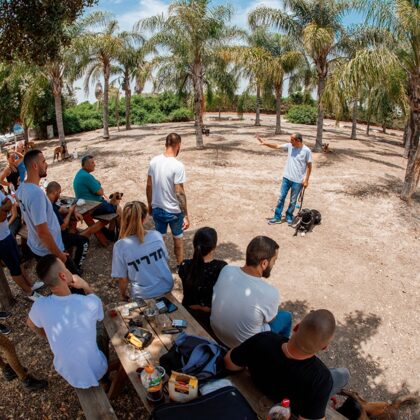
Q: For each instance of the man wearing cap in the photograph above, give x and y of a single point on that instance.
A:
(296, 174)
(283, 368)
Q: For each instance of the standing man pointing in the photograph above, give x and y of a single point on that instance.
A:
(296, 174)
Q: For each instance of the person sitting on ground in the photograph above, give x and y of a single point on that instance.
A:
(64, 216)
(283, 368)
(140, 258)
(243, 303)
(199, 275)
(69, 322)
(10, 176)
(44, 232)
(87, 187)
(12, 368)
(9, 253)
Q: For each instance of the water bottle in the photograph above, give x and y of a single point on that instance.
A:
(280, 411)
(152, 382)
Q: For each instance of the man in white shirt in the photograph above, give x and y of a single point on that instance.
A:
(166, 195)
(69, 322)
(44, 232)
(296, 174)
(243, 303)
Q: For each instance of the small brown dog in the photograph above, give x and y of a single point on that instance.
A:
(59, 152)
(115, 198)
(379, 410)
(326, 148)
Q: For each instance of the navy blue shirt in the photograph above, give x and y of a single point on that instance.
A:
(56, 209)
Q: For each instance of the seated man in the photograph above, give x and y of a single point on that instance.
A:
(69, 322)
(64, 216)
(243, 304)
(283, 368)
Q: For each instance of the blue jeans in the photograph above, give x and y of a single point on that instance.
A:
(282, 323)
(162, 219)
(295, 188)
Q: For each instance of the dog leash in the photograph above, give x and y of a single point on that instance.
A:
(300, 199)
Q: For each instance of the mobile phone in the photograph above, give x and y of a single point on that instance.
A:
(162, 308)
(170, 307)
(171, 331)
(179, 323)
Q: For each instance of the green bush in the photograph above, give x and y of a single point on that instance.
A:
(155, 117)
(181, 114)
(302, 114)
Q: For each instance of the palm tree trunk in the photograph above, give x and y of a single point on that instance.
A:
(412, 174)
(198, 92)
(384, 127)
(320, 118)
(257, 106)
(107, 71)
(127, 91)
(59, 118)
(278, 90)
(354, 121)
(407, 138)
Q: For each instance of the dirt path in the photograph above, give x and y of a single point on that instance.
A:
(362, 263)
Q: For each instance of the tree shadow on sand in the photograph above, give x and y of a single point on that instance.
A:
(346, 350)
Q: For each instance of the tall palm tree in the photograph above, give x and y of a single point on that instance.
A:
(316, 24)
(191, 31)
(402, 19)
(97, 46)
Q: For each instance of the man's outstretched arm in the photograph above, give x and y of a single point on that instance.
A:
(270, 145)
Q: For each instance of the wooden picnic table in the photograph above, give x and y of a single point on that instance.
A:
(116, 327)
(86, 211)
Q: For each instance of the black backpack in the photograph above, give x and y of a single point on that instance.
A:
(224, 403)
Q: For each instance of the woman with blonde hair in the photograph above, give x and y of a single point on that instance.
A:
(140, 258)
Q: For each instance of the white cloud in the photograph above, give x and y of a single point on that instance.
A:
(240, 15)
(145, 8)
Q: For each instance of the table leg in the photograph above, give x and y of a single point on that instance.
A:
(117, 383)
(99, 235)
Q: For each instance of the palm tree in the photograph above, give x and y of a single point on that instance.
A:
(96, 47)
(191, 32)
(402, 19)
(316, 24)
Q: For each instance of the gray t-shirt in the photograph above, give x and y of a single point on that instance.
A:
(297, 160)
(242, 306)
(36, 210)
(144, 264)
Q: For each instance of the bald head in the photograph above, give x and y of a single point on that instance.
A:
(315, 331)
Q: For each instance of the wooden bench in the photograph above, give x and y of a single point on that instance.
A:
(95, 404)
(106, 217)
(116, 327)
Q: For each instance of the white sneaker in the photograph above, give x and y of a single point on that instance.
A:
(37, 285)
(34, 296)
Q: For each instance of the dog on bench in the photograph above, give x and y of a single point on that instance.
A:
(115, 198)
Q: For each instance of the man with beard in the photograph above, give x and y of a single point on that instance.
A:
(165, 193)
(244, 304)
(44, 232)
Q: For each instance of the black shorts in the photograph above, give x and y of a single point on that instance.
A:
(9, 253)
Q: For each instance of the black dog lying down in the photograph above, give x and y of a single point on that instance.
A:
(306, 220)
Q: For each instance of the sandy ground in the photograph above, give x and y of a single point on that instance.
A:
(362, 262)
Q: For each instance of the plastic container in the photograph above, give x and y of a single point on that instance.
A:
(280, 411)
(152, 382)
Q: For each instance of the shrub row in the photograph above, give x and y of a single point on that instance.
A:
(302, 114)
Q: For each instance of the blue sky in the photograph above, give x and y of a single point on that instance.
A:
(128, 12)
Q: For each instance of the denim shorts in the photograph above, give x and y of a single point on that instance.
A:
(9, 252)
(105, 208)
(162, 219)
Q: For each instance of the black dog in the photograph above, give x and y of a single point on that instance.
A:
(306, 220)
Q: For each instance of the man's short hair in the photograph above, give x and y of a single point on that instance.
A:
(53, 186)
(85, 159)
(298, 136)
(260, 248)
(47, 269)
(172, 139)
(315, 331)
(30, 157)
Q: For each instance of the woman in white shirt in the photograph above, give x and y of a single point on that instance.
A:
(140, 258)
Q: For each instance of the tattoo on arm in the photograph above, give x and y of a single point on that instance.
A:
(182, 199)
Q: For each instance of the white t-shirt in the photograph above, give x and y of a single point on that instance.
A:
(70, 325)
(37, 209)
(166, 172)
(242, 306)
(144, 264)
(297, 159)
(4, 226)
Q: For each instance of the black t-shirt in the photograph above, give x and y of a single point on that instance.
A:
(307, 383)
(200, 292)
(56, 209)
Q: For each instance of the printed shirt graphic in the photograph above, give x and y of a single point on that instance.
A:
(144, 264)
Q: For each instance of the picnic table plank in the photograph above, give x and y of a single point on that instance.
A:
(95, 404)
